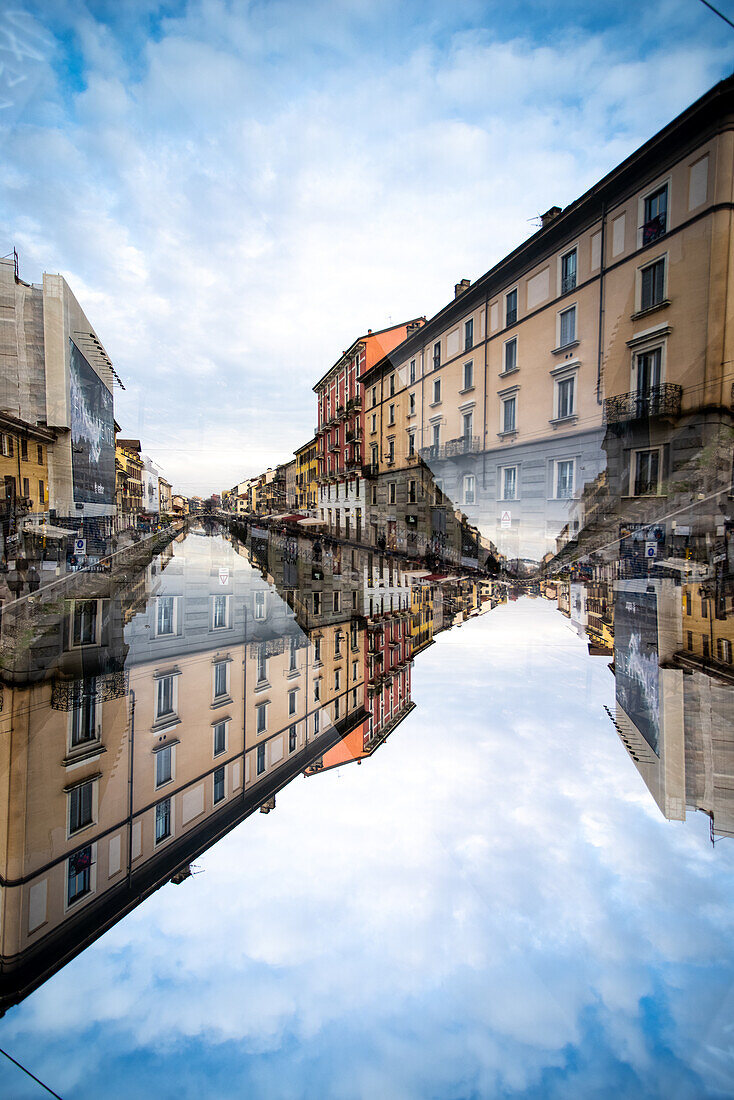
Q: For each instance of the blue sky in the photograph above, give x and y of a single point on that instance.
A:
(236, 191)
(490, 906)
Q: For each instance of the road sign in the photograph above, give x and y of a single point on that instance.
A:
(223, 576)
(80, 546)
(505, 521)
(651, 549)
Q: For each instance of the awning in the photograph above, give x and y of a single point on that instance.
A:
(49, 530)
(311, 521)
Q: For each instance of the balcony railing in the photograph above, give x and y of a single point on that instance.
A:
(568, 283)
(662, 400)
(463, 445)
(511, 316)
(654, 229)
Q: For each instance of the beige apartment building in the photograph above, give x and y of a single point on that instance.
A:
(622, 292)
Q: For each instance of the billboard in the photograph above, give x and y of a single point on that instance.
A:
(92, 433)
(636, 661)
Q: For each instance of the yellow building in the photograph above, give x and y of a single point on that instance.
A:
(708, 625)
(421, 625)
(24, 471)
(307, 468)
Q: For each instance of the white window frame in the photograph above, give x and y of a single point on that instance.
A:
(159, 749)
(94, 807)
(572, 307)
(466, 388)
(227, 603)
(516, 291)
(261, 709)
(569, 372)
(505, 346)
(171, 819)
(465, 485)
(171, 633)
(436, 390)
(554, 474)
(665, 181)
(501, 487)
(226, 694)
(168, 716)
(504, 398)
(215, 726)
(218, 801)
(260, 605)
(97, 639)
(643, 344)
(633, 471)
(567, 252)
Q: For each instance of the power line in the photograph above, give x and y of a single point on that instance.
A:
(31, 1075)
(717, 12)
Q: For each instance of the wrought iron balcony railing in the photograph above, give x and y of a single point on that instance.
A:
(662, 400)
(568, 283)
(462, 445)
(654, 229)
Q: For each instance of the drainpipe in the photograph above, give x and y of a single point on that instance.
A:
(601, 303)
(131, 762)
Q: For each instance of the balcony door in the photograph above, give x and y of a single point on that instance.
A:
(648, 380)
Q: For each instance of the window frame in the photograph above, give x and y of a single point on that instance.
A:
(508, 294)
(502, 481)
(634, 453)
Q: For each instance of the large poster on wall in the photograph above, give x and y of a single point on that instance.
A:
(92, 433)
(636, 661)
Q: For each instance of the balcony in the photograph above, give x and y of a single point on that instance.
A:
(659, 401)
(462, 445)
(353, 404)
(334, 447)
(568, 283)
(370, 470)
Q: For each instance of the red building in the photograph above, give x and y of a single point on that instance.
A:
(340, 429)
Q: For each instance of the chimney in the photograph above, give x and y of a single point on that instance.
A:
(411, 327)
(549, 216)
(459, 288)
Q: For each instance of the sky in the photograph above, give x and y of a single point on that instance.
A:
(236, 191)
(491, 905)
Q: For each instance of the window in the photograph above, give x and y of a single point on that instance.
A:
(317, 651)
(316, 721)
(79, 874)
(567, 327)
(705, 646)
(468, 376)
(411, 444)
(80, 806)
(336, 707)
(41, 492)
(336, 601)
(84, 630)
(292, 697)
(509, 483)
(293, 663)
(467, 427)
(374, 396)
(374, 422)
(652, 285)
(412, 371)
(355, 669)
(392, 385)
(437, 355)
(411, 492)
(690, 640)
(261, 714)
(509, 414)
(219, 612)
(24, 449)
(436, 436)
(704, 609)
(26, 487)
(163, 820)
(510, 356)
(646, 472)
(164, 766)
(373, 495)
(164, 697)
(337, 679)
(220, 679)
(165, 615)
(261, 672)
(565, 388)
(568, 272)
(39, 451)
(260, 759)
(564, 479)
(316, 691)
(220, 738)
(511, 307)
(436, 391)
(391, 452)
(723, 650)
(317, 603)
(469, 489)
(655, 215)
(83, 714)
(219, 784)
(260, 605)
(688, 603)
(469, 334)
(411, 404)
(391, 492)
(391, 415)
(292, 739)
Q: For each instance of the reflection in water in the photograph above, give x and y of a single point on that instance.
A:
(149, 709)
